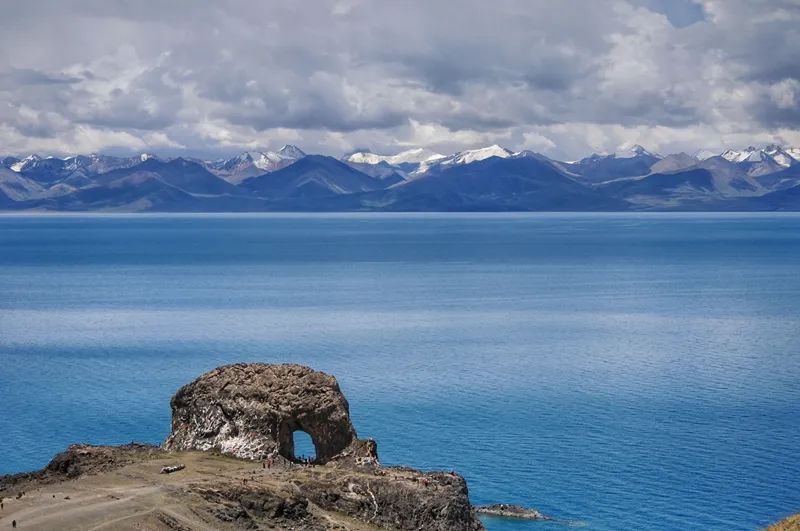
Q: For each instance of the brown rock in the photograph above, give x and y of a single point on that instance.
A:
(252, 410)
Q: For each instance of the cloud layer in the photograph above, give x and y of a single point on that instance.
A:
(565, 78)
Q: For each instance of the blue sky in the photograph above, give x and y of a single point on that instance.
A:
(680, 13)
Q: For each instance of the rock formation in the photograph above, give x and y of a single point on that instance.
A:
(507, 510)
(252, 410)
(232, 437)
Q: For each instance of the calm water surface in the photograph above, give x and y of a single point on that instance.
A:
(635, 371)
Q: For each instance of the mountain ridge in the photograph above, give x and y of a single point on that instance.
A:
(492, 178)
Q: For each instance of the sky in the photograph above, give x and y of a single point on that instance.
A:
(562, 77)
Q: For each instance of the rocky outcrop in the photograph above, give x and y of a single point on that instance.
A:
(397, 498)
(90, 486)
(252, 410)
(507, 510)
(224, 424)
(81, 459)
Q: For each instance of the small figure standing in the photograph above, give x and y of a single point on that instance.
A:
(14, 524)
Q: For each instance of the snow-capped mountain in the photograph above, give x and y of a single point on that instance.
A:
(252, 163)
(95, 163)
(773, 153)
(291, 152)
(87, 164)
(474, 155)
(633, 162)
(489, 178)
(750, 154)
(635, 151)
(411, 156)
(781, 156)
(28, 162)
(757, 162)
(416, 162)
(704, 154)
(462, 157)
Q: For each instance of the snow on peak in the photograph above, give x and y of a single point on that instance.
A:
(464, 157)
(772, 153)
(291, 152)
(250, 163)
(263, 160)
(733, 155)
(779, 155)
(474, 155)
(411, 156)
(635, 151)
(24, 163)
(146, 156)
(704, 154)
(365, 157)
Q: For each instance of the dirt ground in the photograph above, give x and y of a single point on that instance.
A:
(138, 497)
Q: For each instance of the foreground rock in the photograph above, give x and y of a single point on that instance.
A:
(506, 510)
(233, 412)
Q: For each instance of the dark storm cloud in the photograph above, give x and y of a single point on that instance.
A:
(564, 76)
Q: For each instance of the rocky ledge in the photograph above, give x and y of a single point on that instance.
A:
(506, 510)
(231, 465)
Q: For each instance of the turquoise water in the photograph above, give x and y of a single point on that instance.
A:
(628, 371)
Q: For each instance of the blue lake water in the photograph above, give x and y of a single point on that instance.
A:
(616, 371)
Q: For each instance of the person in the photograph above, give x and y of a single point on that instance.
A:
(14, 524)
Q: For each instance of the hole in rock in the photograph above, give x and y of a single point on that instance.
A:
(304, 449)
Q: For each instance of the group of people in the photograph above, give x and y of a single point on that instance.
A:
(269, 461)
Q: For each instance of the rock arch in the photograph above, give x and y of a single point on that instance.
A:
(252, 410)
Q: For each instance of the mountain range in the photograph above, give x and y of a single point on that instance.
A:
(487, 179)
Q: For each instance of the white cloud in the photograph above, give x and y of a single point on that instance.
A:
(334, 75)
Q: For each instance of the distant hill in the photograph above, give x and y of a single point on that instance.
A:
(312, 176)
(496, 184)
(182, 174)
(599, 168)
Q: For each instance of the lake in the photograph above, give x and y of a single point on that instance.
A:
(615, 371)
